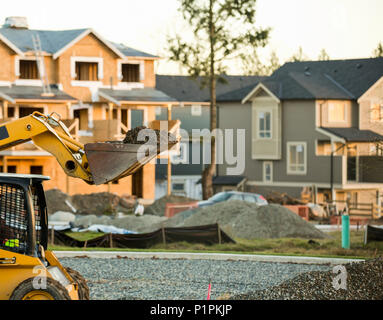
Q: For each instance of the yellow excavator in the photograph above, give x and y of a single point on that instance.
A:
(28, 271)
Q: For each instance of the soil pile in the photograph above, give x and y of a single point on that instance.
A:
(163, 137)
(57, 201)
(158, 207)
(363, 281)
(93, 203)
(249, 221)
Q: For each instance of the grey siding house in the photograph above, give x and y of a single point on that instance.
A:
(316, 125)
(194, 113)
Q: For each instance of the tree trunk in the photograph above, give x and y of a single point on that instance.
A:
(209, 171)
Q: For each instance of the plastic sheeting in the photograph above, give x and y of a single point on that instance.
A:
(208, 234)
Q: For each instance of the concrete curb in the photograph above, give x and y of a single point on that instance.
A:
(203, 256)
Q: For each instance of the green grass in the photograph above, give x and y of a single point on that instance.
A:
(330, 247)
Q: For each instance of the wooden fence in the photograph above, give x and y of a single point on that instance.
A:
(358, 210)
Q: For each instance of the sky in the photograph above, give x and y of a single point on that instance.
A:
(344, 28)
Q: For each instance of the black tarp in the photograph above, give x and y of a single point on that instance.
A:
(207, 234)
(373, 234)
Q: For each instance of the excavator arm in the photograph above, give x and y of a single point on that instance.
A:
(95, 163)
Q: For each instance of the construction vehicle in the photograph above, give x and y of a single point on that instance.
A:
(28, 271)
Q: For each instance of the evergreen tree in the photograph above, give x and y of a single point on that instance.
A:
(323, 55)
(216, 39)
(378, 52)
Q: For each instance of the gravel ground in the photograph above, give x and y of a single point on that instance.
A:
(362, 281)
(115, 279)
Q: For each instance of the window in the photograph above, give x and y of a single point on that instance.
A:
(130, 72)
(182, 157)
(249, 198)
(235, 197)
(82, 116)
(86, 71)
(376, 112)
(36, 169)
(28, 69)
(11, 169)
(196, 110)
(336, 112)
(264, 121)
(178, 188)
(296, 158)
(267, 171)
(26, 111)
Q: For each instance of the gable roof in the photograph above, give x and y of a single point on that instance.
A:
(354, 134)
(56, 42)
(332, 79)
(51, 41)
(130, 52)
(186, 89)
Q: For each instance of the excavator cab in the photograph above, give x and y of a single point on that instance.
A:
(28, 271)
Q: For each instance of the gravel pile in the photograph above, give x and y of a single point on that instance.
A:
(145, 223)
(364, 282)
(129, 279)
(158, 207)
(249, 221)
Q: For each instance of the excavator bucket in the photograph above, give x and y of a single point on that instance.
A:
(109, 161)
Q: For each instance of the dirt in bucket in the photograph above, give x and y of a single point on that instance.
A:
(163, 137)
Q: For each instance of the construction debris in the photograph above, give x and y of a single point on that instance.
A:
(283, 199)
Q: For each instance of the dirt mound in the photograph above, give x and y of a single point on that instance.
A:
(99, 203)
(57, 201)
(249, 221)
(93, 203)
(364, 281)
(158, 207)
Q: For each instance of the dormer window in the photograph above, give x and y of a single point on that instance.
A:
(28, 69)
(130, 72)
(87, 71)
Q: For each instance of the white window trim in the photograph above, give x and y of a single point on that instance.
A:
(98, 60)
(264, 171)
(28, 82)
(120, 62)
(295, 143)
(25, 82)
(345, 112)
(264, 110)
